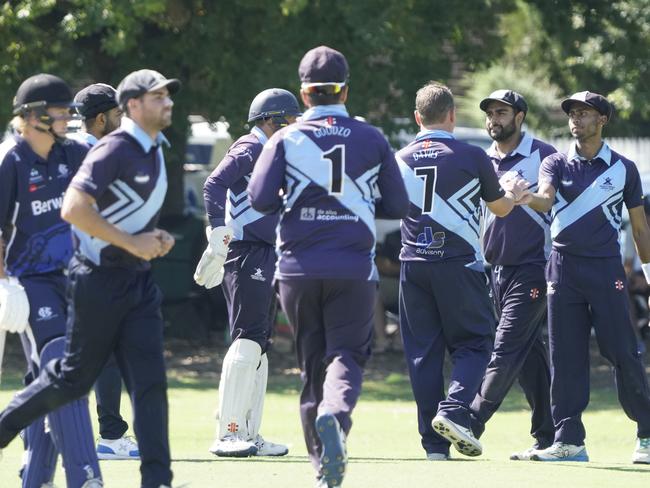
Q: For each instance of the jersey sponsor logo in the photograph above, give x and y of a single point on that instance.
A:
(40, 207)
(141, 178)
(308, 213)
(332, 130)
(45, 313)
(35, 177)
(430, 243)
(258, 275)
(334, 216)
(607, 184)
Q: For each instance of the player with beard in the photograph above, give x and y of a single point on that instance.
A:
(517, 247)
(585, 190)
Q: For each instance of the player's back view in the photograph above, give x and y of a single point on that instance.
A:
(336, 173)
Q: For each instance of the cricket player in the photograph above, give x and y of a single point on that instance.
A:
(517, 247)
(97, 104)
(444, 300)
(585, 190)
(36, 167)
(241, 252)
(113, 204)
(336, 174)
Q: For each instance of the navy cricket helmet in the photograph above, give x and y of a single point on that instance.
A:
(273, 103)
(41, 91)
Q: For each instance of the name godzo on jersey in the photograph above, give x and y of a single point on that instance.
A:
(332, 130)
(44, 206)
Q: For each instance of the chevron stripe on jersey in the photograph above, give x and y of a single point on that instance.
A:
(239, 212)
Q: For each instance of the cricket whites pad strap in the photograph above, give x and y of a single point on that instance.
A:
(646, 272)
(14, 305)
(209, 271)
(236, 386)
(257, 404)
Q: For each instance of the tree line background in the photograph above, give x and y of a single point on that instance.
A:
(225, 52)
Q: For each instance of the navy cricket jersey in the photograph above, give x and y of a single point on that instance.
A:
(37, 240)
(125, 173)
(586, 215)
(523, 236)
(226, 199)
(445, 179)
(335, 172)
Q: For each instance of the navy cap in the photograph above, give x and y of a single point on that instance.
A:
(95, 99)
(42, 90)
(143, 81)
(594, 100)
(323, 65)
(509, 97)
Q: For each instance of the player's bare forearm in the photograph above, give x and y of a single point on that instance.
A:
(640, 233)
(541, 203)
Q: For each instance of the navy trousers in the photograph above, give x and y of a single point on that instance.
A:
(111, 310)
(248, 290)
(444, 306)
(585, 293)
(108, 393)
(333, 323)
(519, 294)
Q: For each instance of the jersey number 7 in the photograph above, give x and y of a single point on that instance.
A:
(430, 176)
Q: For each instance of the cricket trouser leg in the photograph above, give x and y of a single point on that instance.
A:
(569, 326)
(424, 350)
(139, 352)
(41, 456)
(333, 324)
(108, 393)
(519, 352)
(607, 295)
(468, 323)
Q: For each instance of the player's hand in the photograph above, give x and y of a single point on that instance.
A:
(209, 271)
(517, 186)
(14, 306)
(166, 240)
(146, 246)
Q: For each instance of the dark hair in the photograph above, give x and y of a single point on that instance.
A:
(433, 101)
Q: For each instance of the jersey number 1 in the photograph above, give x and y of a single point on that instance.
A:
(430, 176)
(336, 157)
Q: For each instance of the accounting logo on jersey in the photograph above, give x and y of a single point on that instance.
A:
(607, 184)
(307, 213)
(258, 275)
(45, 313)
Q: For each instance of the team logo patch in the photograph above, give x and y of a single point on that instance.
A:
(534, 293)
(258, 275)
(63, 171)
(618, 284)
(45, 313)
(307, 213)
(141, 178)
(34, 178)
(607, 184)
(426, 144)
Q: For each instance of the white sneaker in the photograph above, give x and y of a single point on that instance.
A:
(123, 448)
(268, 448)
(333, 459)
(642, 452)
(560, 451)
(233, 446)
(437, 456)
(461, 437)
(523, 455)
(93, 483)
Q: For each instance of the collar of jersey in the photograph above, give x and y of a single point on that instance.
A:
(28, 153)
(433, 134)
(320, 111)
(259, 133)
(605, 154)
(130, 127)
(85, 137)
(524, 148)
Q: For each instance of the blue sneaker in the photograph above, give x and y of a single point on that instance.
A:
(560, 451)
(334, 458)
(123, 448)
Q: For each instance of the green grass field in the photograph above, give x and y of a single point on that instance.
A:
(384, 445)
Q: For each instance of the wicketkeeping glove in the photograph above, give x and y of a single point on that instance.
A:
(209, 271)
(14, 306)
